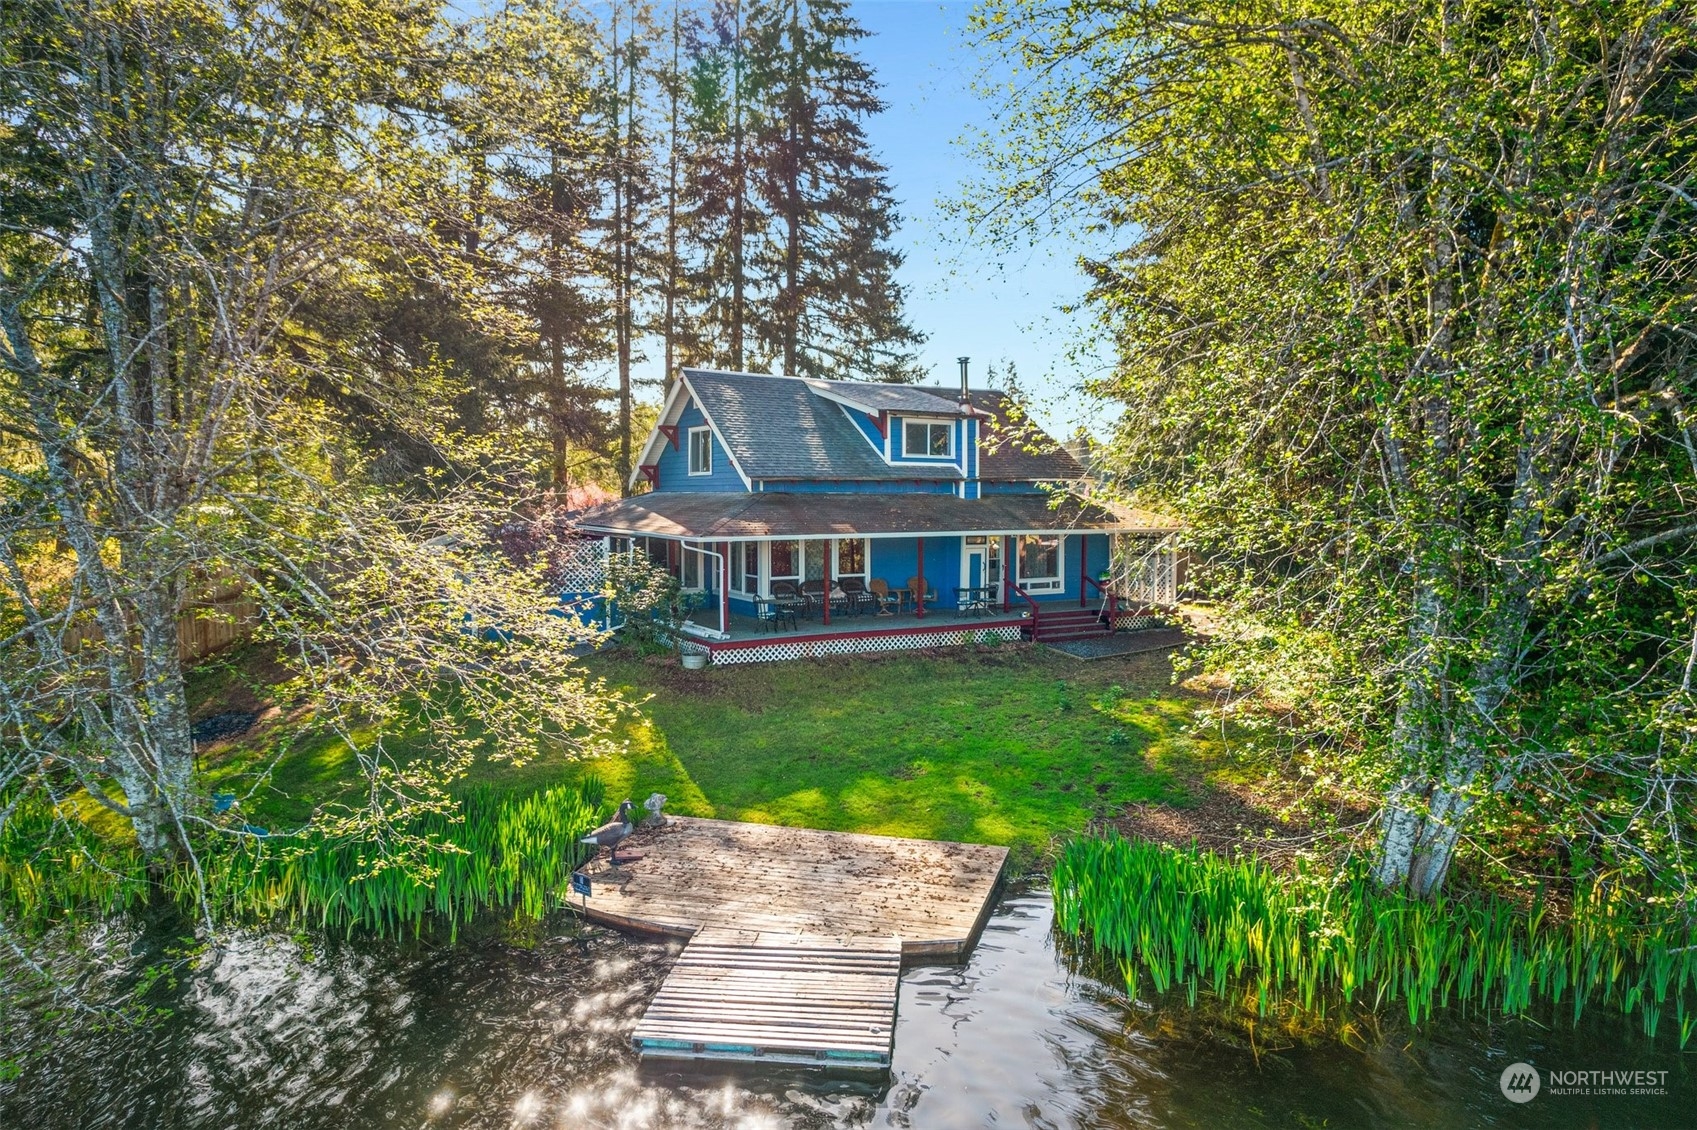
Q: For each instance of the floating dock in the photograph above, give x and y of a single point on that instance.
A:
(776, 998)
(796, 937)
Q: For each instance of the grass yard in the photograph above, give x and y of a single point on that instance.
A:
(1009, 746)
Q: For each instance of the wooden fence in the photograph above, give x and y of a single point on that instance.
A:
(216, 620)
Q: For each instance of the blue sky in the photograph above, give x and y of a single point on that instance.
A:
(965, 298)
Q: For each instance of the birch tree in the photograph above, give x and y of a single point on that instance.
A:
(190, 187)
(1403, 314)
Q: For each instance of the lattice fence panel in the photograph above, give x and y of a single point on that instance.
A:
(780, 650)
(1144, 569)
(582, 566)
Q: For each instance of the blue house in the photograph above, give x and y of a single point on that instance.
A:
(822, 517)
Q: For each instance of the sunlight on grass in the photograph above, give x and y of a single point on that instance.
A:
(1012, 748)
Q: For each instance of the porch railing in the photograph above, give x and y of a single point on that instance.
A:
(1109, 599)
(1013, 587)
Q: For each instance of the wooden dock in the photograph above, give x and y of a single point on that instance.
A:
(934, 896)
(776, 998)
(796, 937)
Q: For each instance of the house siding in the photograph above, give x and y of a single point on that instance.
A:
(674, 464)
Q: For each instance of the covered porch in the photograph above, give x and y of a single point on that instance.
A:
(823, 573)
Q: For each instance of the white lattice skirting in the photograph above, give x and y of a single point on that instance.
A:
(820, 647)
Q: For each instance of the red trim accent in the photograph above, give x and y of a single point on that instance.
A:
(670, 431)
(830, 548)
(918, 598)
(725, 589)
(1083, 573)
(1007, 572)
(651, 472)
(882, 422)
(874, 633)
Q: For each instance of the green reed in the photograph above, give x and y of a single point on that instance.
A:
(1314, 940)
(488, 853)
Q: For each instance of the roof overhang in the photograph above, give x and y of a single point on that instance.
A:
(771, 515)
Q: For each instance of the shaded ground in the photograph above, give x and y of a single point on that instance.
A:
(1163, 640)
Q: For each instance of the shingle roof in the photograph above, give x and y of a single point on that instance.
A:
(778, 428)
(879, 397)
(781, 428)
(1012, 448)
(714, 517)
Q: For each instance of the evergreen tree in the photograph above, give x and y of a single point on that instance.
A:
(835, 308)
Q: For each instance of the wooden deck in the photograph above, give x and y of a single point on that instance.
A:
(796, 937)
(933, 897)
(776, 998)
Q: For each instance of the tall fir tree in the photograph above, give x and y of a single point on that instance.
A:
(834, 308)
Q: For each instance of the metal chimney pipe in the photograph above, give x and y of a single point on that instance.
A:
(965, 396)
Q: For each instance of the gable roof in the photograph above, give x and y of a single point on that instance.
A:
(1012, 448)
(779, 428)
(788, 429)
(880, 397)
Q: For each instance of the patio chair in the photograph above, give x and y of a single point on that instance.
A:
(924, 595)
(859, 599)
(789, 594)
(774, 611)
(814, 593)
(882, 598)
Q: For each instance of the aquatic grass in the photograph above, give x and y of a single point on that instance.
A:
(1313, 940)
(490, 852)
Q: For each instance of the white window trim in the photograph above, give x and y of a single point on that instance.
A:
(689, 451)
(928, 422)
(1058, 582)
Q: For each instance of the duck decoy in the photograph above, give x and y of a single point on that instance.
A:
(613, 833)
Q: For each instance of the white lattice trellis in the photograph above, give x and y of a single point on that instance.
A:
(820, 647)
(1144, 570)
(582, 566)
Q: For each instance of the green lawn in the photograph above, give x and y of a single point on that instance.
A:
(1007, 746)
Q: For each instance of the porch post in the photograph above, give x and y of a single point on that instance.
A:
(919, 597)
(725, 590)
(1083, 552)
(672, 560)
(830, 547)
(1007, 572)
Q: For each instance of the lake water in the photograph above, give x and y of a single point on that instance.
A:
(270, 1033)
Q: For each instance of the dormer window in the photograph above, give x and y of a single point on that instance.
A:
(928, 439)
(701, 451)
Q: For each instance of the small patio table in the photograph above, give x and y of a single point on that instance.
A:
(774, 610)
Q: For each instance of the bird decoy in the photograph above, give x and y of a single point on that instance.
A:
(613, 833)
(654, 803)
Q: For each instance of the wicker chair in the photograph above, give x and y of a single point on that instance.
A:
(924, 596)
(859, 597)
(882, 598)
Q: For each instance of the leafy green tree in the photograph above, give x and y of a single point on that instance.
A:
(193, 190)
(1403, 315)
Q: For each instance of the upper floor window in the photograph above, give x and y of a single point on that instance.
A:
(928, 438)
(701, 451)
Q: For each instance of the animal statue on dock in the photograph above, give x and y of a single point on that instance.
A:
(613, 833)
(654, 803)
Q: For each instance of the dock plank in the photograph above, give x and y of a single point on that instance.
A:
(747, 995)
(796, 938)
(799, 882)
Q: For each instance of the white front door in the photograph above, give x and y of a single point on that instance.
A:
(981, 563)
